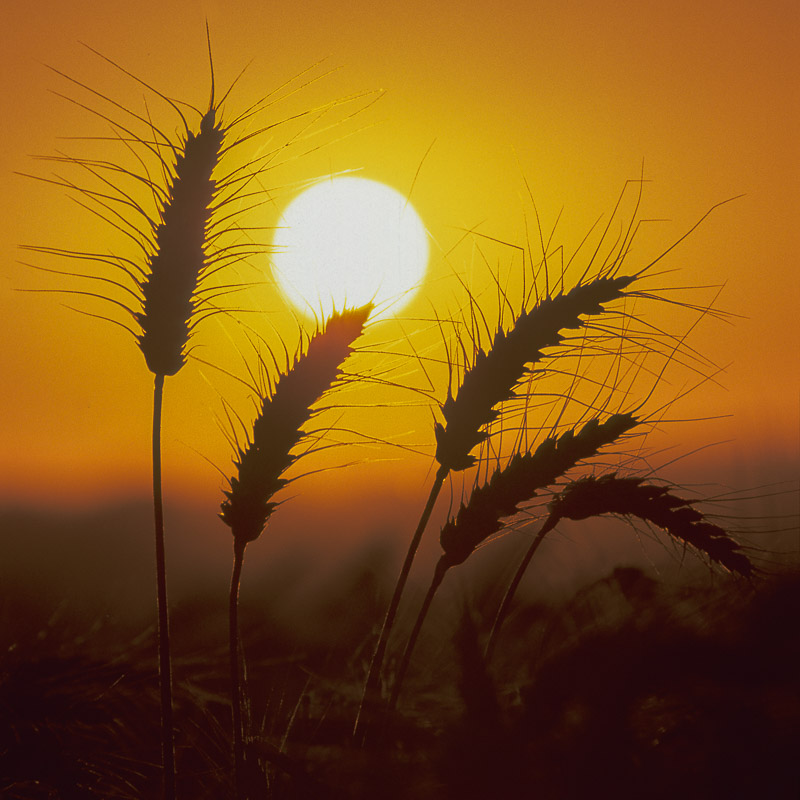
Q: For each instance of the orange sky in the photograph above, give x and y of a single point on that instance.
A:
(571, 97)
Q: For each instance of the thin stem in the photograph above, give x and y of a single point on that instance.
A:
(236, 690)
(371, 689)
(502, 612)
(438, 575)
(164, 661)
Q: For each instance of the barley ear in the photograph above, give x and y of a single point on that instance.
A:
(524, 476)
(494, 373)
(263, 460)
(179, 257)
(631, 497)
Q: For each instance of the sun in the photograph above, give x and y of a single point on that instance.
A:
(345, 242)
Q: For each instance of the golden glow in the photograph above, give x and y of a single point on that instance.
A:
(346, 242)
(568, 98)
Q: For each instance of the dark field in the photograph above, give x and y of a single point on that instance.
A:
(630, 684)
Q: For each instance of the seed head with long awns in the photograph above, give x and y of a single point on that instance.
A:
(266, 456)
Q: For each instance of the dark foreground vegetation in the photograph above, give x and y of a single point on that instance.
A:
(630, 688)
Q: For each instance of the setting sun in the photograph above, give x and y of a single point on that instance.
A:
(348, 242)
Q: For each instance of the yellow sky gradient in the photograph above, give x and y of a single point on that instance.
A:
(571, 98)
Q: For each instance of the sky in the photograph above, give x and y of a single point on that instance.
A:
(482, 113)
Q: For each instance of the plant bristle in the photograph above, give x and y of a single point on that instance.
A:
(491, 378)
(267, 455)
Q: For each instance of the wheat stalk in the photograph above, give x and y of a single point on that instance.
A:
(164, 282)
(169, 301)
(487, 382)
(501, 496)
(168, 287)
(262, 462)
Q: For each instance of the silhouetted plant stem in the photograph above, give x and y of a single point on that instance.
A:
(236, 691)
(287, 404)
(164, 661)
(371, 688)
(441, 568)
(505, 605)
